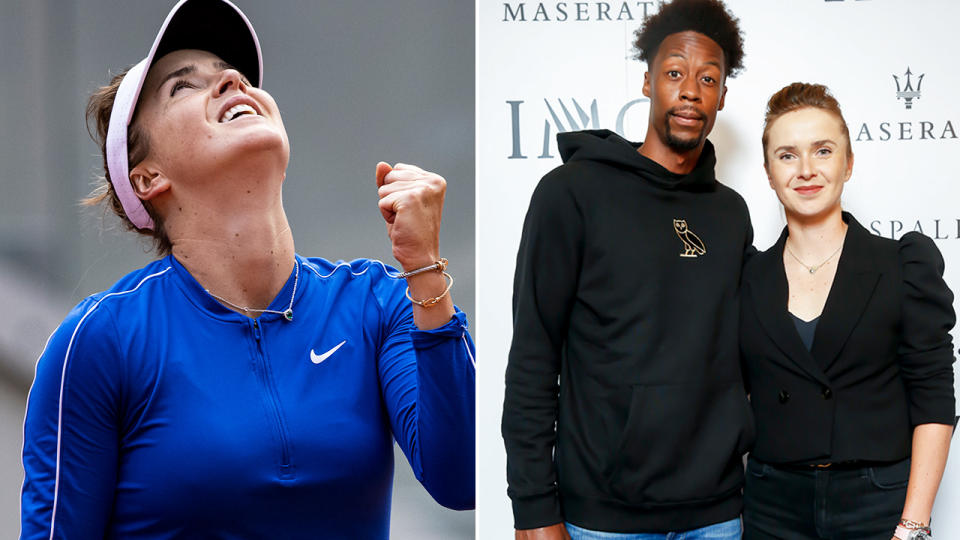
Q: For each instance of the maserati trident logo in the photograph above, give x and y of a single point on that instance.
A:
(907, 93)
(907, 129)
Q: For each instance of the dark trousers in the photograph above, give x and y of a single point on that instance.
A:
(798, 503)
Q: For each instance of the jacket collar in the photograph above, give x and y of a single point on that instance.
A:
(853, 285)
(209, 305)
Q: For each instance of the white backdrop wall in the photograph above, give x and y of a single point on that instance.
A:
(551, 66)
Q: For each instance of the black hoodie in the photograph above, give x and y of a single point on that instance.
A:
(626, 288)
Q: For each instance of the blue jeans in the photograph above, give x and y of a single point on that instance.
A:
(728, 530)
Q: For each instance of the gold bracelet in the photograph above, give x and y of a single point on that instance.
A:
(430, 302)
(914, 525)
(439, 266)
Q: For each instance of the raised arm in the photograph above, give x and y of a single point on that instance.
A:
(428, 381)
(427, 358)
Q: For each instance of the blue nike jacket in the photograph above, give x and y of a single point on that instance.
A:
(158, 413)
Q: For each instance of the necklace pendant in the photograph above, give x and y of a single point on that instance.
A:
(288, 314)
(813, 270)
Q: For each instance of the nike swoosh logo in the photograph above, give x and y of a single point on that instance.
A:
(317, 358)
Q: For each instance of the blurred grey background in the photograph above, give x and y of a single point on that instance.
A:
(357, 82)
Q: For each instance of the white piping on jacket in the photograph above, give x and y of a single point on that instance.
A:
(63, 376)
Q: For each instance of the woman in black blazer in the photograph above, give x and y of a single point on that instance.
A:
(846, 351)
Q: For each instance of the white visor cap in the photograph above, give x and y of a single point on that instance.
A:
(217, 26)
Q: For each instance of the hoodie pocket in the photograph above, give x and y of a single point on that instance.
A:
(682, 443)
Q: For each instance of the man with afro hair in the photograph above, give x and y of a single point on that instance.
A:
(625, 414)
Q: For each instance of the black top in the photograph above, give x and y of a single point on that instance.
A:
(880, 364)
(626, 289)
(805, 329)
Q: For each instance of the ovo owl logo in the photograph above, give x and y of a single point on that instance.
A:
(692, 244)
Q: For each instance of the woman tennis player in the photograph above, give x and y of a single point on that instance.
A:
(233, 388)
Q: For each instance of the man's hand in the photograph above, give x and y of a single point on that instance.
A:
(411, 202)
(553, 532)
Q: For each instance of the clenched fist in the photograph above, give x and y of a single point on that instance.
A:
(411, 202)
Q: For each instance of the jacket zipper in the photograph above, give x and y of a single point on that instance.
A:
(286, 468)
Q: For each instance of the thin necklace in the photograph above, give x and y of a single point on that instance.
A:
(813, 269)
(287, 313)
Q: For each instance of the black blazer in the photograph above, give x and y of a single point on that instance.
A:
(881, 360)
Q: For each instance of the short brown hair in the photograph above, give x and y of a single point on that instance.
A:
(99, 108)
(796, 96)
